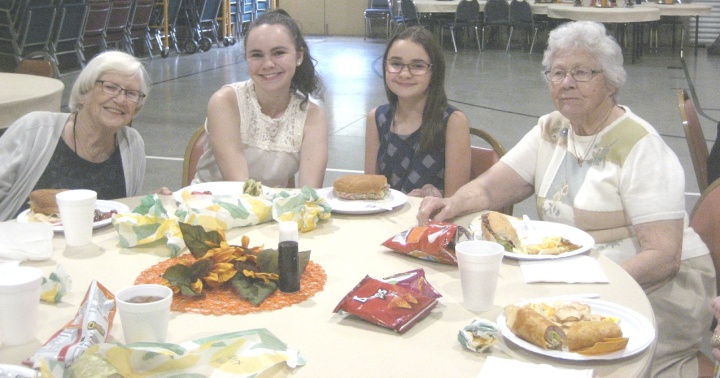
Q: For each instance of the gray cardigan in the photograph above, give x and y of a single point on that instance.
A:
(26, 149)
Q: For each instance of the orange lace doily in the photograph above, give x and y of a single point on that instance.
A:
(225, 301)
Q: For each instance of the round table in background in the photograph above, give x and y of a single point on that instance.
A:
(22, 94)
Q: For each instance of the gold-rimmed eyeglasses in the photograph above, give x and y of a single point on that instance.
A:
(416, 68)
(580, 74)
(113, 89)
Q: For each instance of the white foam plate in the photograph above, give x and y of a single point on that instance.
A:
(540, 230)
(221, 190)
(637, 328)
(101, 205)
(393, 198)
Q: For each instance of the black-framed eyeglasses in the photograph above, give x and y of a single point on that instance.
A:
(419, 68)
(580, 74)
(113, 89)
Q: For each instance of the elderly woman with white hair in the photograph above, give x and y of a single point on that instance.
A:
(595, 165)
(93, 147)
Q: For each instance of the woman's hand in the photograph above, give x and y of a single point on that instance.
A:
(434, 209)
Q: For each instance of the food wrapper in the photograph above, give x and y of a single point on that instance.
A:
(479, 335)
(304, 206)
(434, 241)
(239, 354)
(415, 281)
(55, 286)
(91, 325)
(386, 305)
(151, 221)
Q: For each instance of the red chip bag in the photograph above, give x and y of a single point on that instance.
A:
(434, 241)
(386, 305)
(415, 281)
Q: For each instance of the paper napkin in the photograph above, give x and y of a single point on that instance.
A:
(25, 241)
(575, 269)
(500, 367)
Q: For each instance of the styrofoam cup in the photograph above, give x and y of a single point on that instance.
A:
(77, 211)
(19, 303)
(144, 322)
(479, 263)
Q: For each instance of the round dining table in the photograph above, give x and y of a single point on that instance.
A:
(348, 248)
(22, 94)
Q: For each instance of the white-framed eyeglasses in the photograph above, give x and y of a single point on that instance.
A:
(580, 74)
(113, 89)
(418, 68)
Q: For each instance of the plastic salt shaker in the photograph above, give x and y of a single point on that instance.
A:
(288, 266)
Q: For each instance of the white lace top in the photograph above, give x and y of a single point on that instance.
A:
(271, 145)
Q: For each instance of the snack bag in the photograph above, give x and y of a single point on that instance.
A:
(434, 241)
(386, 305)
(415, 281)
(90, 326)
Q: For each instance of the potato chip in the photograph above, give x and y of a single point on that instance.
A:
(399, 302)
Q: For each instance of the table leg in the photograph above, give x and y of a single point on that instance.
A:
(697, 26)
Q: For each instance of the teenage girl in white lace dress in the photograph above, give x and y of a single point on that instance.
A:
(266, 128)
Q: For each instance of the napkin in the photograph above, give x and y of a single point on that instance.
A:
(575, 269)
(499, 367)
(238, 354)
(25, 241)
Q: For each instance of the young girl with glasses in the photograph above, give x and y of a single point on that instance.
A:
(417, 140)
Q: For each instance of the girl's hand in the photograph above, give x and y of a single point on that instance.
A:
(428, 190)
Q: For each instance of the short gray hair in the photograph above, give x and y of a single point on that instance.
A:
(591, 37)
(110, 61)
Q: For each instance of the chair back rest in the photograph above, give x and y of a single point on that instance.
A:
(496, 10)
(378, 4)
(71, 23)
(118, 20)
(705, 220)
(409, 12)
(467, 10)
(520, 11)
(140, 18)
(193, 151)
(38, 27)
(482, 158)
(35, 67)
(98, 13)
(210, 10)
(391, 8)
(695, 138)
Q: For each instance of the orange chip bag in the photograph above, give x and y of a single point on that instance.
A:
(434, 241)
(386, 305)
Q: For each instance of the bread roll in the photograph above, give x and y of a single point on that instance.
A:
(532, 327)
(585, 334)
(496, 227)
(42, 201)
(361, 187)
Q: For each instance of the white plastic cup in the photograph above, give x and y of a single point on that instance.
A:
(479, 262)
(77, 211)
(147, 321)
(19, 303)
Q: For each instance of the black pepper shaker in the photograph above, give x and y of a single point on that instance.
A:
(288, 266)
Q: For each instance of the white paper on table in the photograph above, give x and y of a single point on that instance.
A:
(25, 241)
(575, 269)
(500, 367)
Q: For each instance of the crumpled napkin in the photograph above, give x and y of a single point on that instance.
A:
(500, 367)
(55, 286)
(575, 269)
(238, 354)
(152, 220)
(25, 241)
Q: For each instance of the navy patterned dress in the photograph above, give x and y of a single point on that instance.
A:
(399, 158)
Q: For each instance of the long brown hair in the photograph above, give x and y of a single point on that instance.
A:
(431, 132)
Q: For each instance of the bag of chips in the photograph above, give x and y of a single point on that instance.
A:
(415, 281)
(386, 305)
(434, 241)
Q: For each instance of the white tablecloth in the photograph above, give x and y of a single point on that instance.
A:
(348, 247)
(21, 94)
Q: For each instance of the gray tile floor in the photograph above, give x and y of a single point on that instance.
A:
(501, 92)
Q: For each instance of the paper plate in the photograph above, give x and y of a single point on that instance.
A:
(101, 205)
(393, 198)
